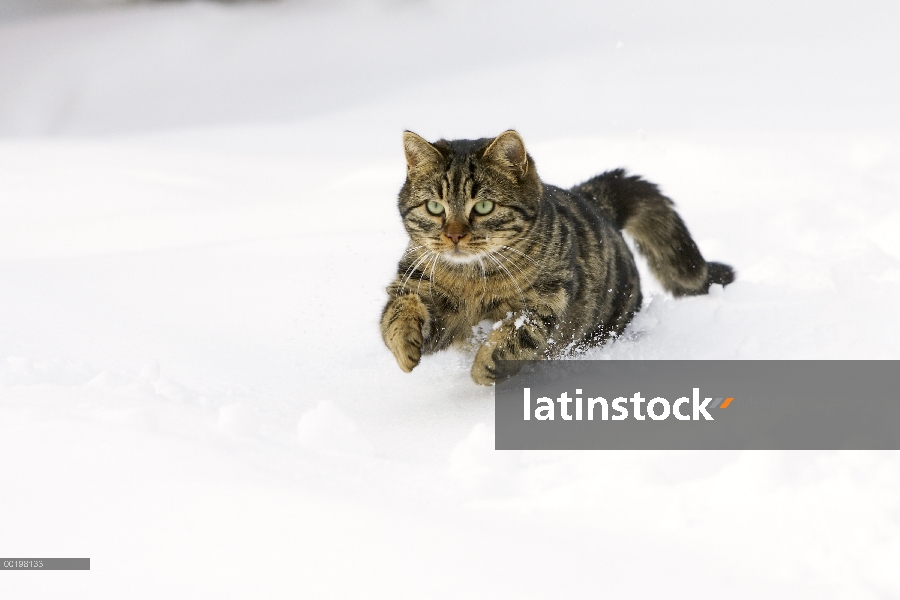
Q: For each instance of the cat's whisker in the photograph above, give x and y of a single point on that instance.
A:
(407, 274)
(513, 281)
(511, 263)
(527, 239)
(431, 278)
(470, 273)
(524, 275)
(410, 268)
(419, 286)
(412, 248)
(525, 256)
(415, 265)
(511, 278)
(483, 276)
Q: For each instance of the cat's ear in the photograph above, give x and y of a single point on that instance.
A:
(419, 153)
(508, 150)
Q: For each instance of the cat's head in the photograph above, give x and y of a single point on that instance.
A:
(464, 199)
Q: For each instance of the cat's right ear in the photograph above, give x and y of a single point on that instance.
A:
(419, 153)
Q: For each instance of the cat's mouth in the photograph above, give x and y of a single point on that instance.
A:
(460, 256)
(464, 252)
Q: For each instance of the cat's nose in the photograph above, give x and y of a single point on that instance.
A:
(455, 231)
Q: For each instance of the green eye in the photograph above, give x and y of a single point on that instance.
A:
(434, 208)
(484, 207)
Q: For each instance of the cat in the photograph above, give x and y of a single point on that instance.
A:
(490, 241)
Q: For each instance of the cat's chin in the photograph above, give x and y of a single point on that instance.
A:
(458, 258)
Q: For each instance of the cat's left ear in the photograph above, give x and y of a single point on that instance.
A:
(508, 150)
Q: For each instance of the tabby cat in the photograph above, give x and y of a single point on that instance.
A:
(490, 241)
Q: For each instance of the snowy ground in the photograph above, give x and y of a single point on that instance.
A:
(198, 223)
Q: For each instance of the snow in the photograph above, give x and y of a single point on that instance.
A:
(198, 224)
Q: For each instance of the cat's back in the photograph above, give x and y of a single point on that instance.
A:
(578, 219)
(585, 251)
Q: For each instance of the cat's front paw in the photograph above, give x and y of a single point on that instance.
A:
(402, 329)
(484, 369)
(501, 353)
(404, 340)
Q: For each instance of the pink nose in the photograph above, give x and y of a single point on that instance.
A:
(455, 237)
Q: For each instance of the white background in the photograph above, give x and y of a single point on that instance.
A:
(197, 223)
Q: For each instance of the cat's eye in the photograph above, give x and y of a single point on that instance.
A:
(434, 207)
(484, 207)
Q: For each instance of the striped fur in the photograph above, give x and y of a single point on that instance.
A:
(548, 265)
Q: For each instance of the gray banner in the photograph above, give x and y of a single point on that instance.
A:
(46, 564)
(699, 405)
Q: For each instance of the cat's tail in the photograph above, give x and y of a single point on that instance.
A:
(638, 207)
